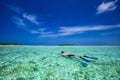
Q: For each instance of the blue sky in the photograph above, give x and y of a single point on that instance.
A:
(51, 22)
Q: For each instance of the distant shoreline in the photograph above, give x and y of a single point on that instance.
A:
(10, 45)
(17, 44)
(59, 45)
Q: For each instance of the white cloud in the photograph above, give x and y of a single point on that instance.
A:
(35, 31)
(106, 6)
(19, 21)
(15, 9)
(31, 18)
(65, 31)
(42, 32)
(28, 16)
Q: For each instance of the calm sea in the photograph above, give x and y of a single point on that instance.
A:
(46, 63)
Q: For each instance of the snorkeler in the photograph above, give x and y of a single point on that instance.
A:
(69, 55)
(75, 56)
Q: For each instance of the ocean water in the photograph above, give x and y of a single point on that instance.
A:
(46, 63)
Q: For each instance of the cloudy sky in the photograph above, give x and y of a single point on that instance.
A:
(83, 22)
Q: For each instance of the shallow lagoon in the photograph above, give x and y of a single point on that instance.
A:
(46, 63)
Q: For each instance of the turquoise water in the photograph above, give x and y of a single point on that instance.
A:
(46, 63)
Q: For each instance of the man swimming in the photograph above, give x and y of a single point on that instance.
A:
(70, 55)
(75, 56)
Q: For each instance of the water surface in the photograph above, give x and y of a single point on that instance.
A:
(46, 63)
